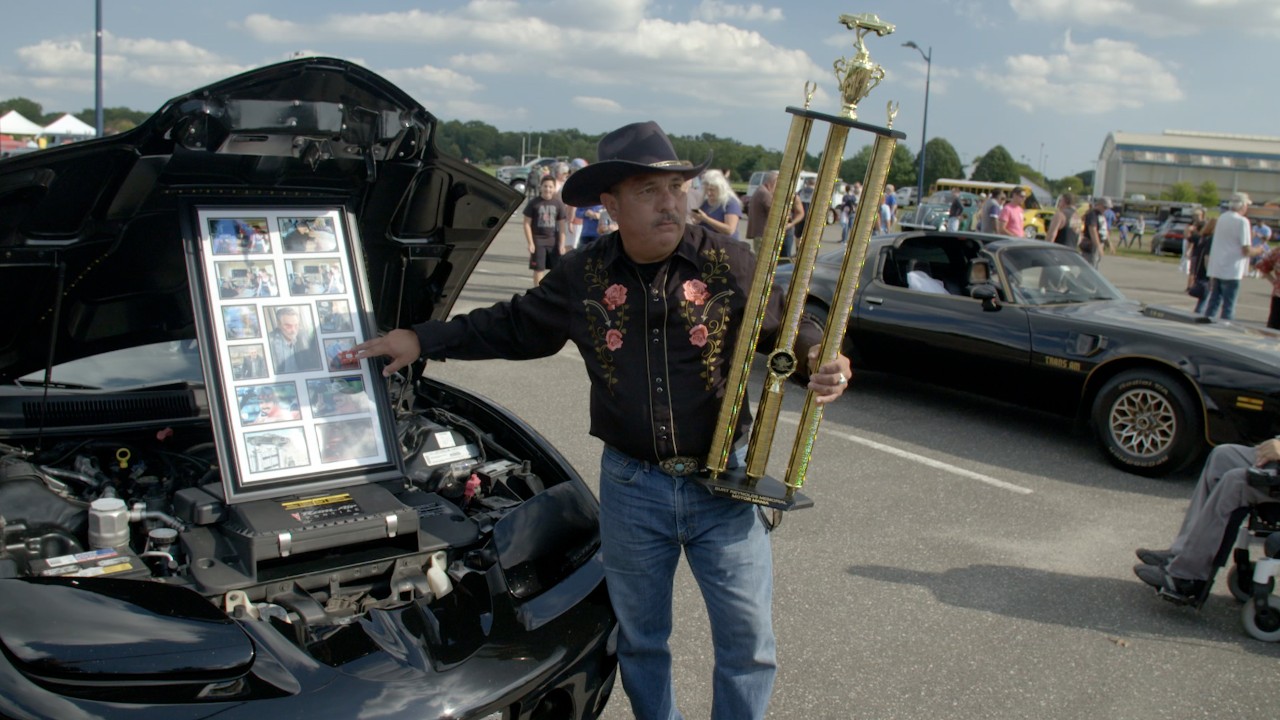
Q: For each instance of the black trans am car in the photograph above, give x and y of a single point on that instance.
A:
(207, 508)
(1048, 331)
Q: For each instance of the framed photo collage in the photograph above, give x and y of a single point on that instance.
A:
(286, 314)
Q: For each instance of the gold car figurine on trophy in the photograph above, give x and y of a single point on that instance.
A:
(856, 77)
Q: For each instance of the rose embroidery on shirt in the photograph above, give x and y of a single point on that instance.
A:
(615, 296)
(606, 317)
(706, 311)
(695, 291)
(698, 335)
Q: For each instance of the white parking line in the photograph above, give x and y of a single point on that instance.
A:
(794, 419)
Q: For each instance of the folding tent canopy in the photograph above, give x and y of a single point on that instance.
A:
(13, 123)
(69, 126)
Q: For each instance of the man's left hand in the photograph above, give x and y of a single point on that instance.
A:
(830, 380)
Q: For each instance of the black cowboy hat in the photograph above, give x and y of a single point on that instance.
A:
(632, 149)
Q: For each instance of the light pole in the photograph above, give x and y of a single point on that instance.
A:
(924, 127)
(97, 70)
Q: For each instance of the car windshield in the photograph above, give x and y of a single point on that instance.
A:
(146, 366)
(1045, 276)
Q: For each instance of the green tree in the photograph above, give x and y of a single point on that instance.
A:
(1086, 178)
(1208, 194)
(29, 109)
(941, 161)
(902, 168)
(854, 169)
(1182, 191)
(996, 166)
(1070, 183)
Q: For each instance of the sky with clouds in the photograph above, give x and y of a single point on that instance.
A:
(1048, 79)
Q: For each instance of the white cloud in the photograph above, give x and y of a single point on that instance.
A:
(59, 58)
(718, 10)
(1160, 18)
(939, 78)
(597, 104)
(171, 65)
(266, 28)
(1089, 79)
(454, 108)
(427, 78)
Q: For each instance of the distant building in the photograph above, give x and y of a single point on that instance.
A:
(1147, 164)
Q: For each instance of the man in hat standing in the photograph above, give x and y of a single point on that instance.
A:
(654, 310)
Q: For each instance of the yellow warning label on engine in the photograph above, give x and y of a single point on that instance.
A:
(316, 501)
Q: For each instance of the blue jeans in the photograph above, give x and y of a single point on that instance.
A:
(646, 518)
(1222, 292)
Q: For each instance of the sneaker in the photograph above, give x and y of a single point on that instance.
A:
(1179, 591)
(1155, 557)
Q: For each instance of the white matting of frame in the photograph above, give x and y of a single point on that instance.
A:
(285, 312)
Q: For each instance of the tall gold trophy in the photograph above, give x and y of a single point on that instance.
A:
(857, 77)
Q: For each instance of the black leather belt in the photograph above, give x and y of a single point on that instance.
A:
(680, 465)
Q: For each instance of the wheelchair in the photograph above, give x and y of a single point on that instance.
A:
(1253, 582)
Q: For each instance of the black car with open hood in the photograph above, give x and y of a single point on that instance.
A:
(208, 506)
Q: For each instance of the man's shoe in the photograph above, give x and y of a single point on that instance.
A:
(1155, 557)
(1176, 590)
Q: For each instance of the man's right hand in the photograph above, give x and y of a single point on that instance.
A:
(400, 345)
(1267, 451)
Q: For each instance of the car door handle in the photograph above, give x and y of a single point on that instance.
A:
(870, 300)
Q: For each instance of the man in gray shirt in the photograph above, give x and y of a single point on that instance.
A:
(991, 212)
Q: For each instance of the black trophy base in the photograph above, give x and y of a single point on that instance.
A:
(769, 492)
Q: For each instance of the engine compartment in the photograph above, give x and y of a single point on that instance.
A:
(144, 504)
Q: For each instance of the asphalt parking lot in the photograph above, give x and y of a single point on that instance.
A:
(964, 558)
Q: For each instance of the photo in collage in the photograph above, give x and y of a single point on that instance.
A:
(284, 315)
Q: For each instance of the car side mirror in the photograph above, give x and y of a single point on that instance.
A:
(988, 295)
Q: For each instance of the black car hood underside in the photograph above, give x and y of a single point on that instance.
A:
(92, 253)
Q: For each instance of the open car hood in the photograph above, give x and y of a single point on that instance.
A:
(92, 234)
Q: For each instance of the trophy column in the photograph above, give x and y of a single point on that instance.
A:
(857, 78)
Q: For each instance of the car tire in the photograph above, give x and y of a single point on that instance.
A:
(1146, 422)
(1030, 232)
(833, 217)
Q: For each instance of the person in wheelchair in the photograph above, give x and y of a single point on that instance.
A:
(1184, 572)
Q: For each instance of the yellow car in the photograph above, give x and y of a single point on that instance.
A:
(1035, 222)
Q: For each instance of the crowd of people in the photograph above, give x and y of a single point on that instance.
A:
(553, 228)
(1213, 279)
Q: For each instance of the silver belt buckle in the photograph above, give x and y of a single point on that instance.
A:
(680, 465)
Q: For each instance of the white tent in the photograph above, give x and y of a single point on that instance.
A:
(13, 123)
(69, 126)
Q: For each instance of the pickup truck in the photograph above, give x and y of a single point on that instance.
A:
(517, 176)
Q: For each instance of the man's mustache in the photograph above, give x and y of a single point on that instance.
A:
(666, 217)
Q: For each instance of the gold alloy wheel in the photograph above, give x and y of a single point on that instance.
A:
(1143, 422)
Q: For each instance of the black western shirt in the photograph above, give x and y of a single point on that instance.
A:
(657, 352)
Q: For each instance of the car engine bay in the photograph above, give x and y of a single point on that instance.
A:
(470, 526)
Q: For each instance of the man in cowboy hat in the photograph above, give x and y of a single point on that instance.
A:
(654, 310)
